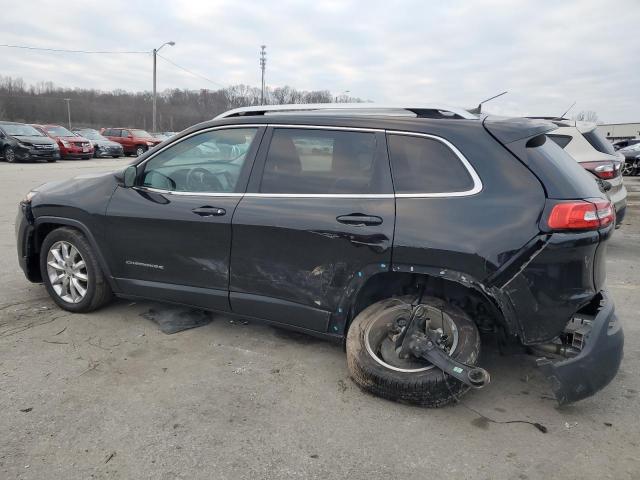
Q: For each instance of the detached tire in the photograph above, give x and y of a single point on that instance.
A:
(408, 380)
(71, 272)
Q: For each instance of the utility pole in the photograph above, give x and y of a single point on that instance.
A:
(263, 64)
(155, 54)
(68, 100)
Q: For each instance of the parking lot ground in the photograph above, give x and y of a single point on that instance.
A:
(107, 395)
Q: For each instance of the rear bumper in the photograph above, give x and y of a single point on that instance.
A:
(596, 365)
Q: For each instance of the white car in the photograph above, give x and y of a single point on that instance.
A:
(594, 152)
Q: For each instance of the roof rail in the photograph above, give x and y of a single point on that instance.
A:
(420, 111)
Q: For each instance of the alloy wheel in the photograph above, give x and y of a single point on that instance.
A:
(627, 169)
(67, 272)
(9, 155)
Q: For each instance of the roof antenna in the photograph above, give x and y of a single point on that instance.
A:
(562, 116)
(478, 109)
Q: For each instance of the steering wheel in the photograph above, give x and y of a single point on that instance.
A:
(202, 180)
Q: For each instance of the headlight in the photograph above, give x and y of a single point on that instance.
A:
(56, 147)
(150, 144)
(65, 143)
(23, 145)
(29, 196)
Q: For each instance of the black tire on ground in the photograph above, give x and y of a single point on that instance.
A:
(98, 291)
(9, 155)
(51, 160)
(428, 388)
(140, 150)
(116, 156)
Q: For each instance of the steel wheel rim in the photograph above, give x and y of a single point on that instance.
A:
(10, 155)
(67, 272)
(627, 169)
(139, 151)
(375, 334)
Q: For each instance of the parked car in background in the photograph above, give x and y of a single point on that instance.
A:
(102, 146)
(70, 144)
(594, 152)
(163, 135)
(21, 142)
(133, 140)
(625, 143)
(401, 236)
(631, 159)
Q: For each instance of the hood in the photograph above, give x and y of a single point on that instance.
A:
(106, 143)
(35, 140)
(75, 184)
(73, 139)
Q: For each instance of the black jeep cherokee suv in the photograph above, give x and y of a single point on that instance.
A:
(406, 235)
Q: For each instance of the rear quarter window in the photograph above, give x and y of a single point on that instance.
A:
(426, 165)
(561, 140)
(599, 142)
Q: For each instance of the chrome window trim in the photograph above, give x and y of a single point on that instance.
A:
(477, 182)
(189, 194)
(320, 195)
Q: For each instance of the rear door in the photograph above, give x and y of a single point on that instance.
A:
(316, 222)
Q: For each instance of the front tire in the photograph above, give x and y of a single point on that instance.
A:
(71, 272)
(9, 155)
(412, 380)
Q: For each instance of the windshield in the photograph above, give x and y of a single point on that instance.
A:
(599, 142)
(631, 148)
(141, 134)
(20, 130)
(59, 132)
(91, 135)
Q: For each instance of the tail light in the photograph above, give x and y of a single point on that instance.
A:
(581, 215)
(605, 170)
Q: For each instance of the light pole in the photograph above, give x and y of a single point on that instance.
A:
(155, 52)
(263, 65)
(68, 100)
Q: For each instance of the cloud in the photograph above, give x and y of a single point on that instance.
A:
(546, 53)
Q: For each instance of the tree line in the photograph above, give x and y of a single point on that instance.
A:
(177, 109)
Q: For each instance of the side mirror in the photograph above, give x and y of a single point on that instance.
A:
(129, 177)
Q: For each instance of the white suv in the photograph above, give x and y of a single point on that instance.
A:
(594, 152)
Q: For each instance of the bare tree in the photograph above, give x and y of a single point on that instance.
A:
(587, 116)
(177, 109)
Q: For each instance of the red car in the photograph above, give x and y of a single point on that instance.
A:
(71, 145)
(133, 140)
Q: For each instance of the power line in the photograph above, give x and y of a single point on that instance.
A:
(62, 50)
(189, 71)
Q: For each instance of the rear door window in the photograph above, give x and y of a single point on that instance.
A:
(310, 161)
(426, 165)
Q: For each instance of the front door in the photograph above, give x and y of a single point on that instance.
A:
(315, 223)
(170, 236)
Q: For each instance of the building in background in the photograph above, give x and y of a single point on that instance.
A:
(620, 131)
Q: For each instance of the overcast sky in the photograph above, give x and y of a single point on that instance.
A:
(547, 54)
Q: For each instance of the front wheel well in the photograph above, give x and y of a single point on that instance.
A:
(484, 311)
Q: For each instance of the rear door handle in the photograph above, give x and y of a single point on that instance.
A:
(359, 219)
(208, 211)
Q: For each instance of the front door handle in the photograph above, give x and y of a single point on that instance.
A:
(208, 211)
(359, 219)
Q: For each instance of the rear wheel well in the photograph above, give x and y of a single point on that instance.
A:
(474, 302)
